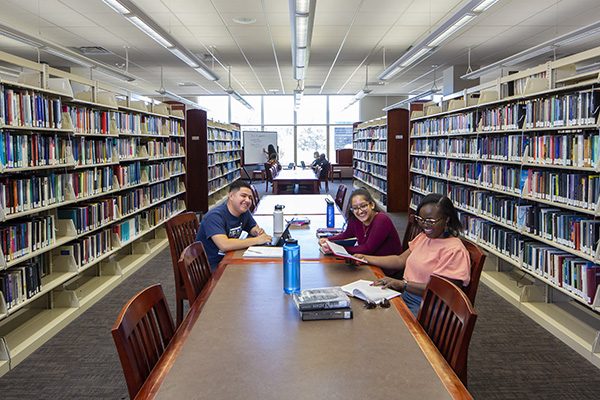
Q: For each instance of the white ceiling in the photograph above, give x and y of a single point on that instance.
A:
(347, 36)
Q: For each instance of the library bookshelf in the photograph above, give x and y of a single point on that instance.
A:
(87, 180)
(380, 159)
(520, 159)
(210, 176)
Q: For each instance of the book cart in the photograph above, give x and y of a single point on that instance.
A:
(519, 157)
(86, 181)
(380, 159)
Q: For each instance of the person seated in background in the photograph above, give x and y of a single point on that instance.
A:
(273, 161)
(324, 164)
(221, 228)
(317, 161)
(435, 251)
(374, 231)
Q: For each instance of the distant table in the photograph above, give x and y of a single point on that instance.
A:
(243, 339)
(296, 176)
(296, 204)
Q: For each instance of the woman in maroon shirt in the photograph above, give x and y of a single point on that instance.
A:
(374, 231)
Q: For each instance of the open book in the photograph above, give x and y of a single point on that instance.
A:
(263, 252)
(363, 290)
(340, 251)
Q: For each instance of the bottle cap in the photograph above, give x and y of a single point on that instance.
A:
(291, 241)
(279, 206)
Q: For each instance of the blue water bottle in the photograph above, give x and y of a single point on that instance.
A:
(291, 266)
(330, 214)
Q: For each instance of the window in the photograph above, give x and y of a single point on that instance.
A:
(311, 139)
(338, 114)
(278, 109)
(313, 110)
(340, 137)
(243, 115)
(217, 106)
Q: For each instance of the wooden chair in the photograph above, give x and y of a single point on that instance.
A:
(141, 333)
(318, 172)
(411, 232)
(334, 172)
(255, 198)
(448, 317)
(477, 260)
(341, 196)
(181, 232)
(268, 176)
(195, 270)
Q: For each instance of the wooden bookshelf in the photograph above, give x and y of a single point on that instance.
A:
(86, 183)
(523, 170)
(380, 159)
(210, 176)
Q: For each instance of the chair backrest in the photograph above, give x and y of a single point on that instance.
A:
(448, 317)
(255, 198)
(411, 232)
(477, 260)
(318, 172)
(268, 172)
(341, 196)
(181, 232)
(195, 270)
(141, 333)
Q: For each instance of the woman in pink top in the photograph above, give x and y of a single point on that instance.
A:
(373, 230)
(435, 251)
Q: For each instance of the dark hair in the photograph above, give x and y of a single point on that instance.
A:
(271, 149)
(447, 209)
(317, 153)
(359, 192)
(237, 185)
(272, 156)
(322, 156)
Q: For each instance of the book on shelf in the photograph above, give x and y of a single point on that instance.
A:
(363, 290)
(331, 313)
(320, 298)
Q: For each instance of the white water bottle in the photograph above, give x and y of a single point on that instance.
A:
(278, 218)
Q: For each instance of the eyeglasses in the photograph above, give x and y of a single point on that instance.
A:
(427, 221)
(370, 304)
(360, 207)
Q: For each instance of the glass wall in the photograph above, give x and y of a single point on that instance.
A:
(321, 123)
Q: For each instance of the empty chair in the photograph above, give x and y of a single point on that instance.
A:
(195, 270)
(255, 198)
(341, 196)
(477, 260)
(448, 317)
(141, 333)
(268, 176)
(411, 232)
(181, 232)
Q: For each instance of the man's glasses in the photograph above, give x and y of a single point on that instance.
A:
(427, 221)
(370, 304)
(360, 207)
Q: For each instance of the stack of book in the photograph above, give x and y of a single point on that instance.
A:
(322, 303)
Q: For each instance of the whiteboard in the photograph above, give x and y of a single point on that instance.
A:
(254, 143)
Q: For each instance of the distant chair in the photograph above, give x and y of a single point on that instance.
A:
(411, 232)
(477, 261)
(255, 198)
(268, 176)
(181, 232)
(195, 270)
(322, 177)
(341, 196)
(143, 330)
(448, 317)
(334, 172)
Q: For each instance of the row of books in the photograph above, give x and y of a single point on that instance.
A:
(156, 171)
(223, 169)
(506, 117)
(370, 145)
(214, 133)
(128, 148)
(21, 238)
(372, 180)
(163, 190)
(160, 213)
(129, 174)
(20, 283)
(213, 159)
(32, 150)
(130, 201)
(378, 170)
(223, 146)
(91, 151)
(380, 158)
(565, 270)
(453, 124)
(162, 149)
(87, 249)
(29, 109)
(89, 216)
(563, 110)
(372, 132)
(217, 184)
(128, 229)
(23, 194)
(87, 120)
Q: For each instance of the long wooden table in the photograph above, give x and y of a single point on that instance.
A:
(296, 176)
(297, 204)
(243, 339)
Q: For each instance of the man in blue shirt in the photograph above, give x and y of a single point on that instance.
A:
(222, 226)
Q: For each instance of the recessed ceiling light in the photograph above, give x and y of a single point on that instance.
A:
(244, 20)
(187, 84)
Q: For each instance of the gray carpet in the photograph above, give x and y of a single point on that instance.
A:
(510, 356)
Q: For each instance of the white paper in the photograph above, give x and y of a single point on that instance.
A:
(363, 290)
(263, 252)
(340, 251)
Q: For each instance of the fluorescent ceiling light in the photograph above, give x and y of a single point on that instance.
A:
(416, 56)
(411, 99)
(578, 37)
(300, 56)
(19, 37)
(235, 95)
(529, 55)
(302, 6)
(124, 76)
(448, 32)
(302, 13)
(144, 27)
(68, 57)
(115, 5)
(183, 57)
(207, 73)
(298, 97)
(484, 5)
(180, 99)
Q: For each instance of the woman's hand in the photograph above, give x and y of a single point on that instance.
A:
(390, 283)
(324, 247)
(363, 257)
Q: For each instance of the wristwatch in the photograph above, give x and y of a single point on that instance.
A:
(405, 285)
